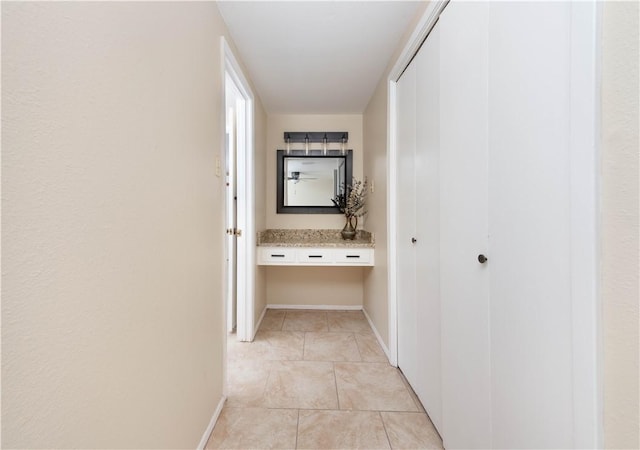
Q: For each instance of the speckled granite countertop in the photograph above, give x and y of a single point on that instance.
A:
(313, 238)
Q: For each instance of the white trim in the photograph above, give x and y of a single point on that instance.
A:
(246, 216)
(317, 307)
(420, 32)
(231, 93)
(392, 213)
(223, 286)
(599, 13)
(424, 26)
(257, 327)
(584, 150)
(212, 424)
(375, 331)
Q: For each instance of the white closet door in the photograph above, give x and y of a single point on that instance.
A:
(466, 380)
(529, 215)
(427, 163)
(408, 346)
(418, 227)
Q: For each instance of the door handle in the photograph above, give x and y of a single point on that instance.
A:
(413, 240)
(482, 259)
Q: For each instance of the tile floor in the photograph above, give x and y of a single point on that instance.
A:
(318, 380)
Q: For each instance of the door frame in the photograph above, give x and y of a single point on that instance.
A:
(231, 93)
(246, 266)
(584, 148)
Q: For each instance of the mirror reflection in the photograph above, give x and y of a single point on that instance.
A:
(312, 181)
(307, 181)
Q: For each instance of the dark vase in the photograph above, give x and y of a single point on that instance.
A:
(349, 230)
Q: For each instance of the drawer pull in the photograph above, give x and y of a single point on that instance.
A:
(277, 256)
(315, 256)
(353, 256)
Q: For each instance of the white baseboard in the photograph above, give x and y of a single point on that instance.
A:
(378, 337)
(325, 307)
(212, 423)
(257, 327)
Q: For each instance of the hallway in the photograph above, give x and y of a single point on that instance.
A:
(317, 379)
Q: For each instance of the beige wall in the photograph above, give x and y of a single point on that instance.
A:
(112, 224)
(620, 224)
(277, 125)
(375, 165)
(332, 286)
(318, 285)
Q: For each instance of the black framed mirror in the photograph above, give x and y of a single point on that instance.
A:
(308, 180)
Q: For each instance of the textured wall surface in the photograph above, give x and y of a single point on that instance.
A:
(375, 165)
(112, 224)
(334, 286)
(619, 197)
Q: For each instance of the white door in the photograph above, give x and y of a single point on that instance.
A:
(245, 240)
(408, 344)
(236, 194)
(530, 177)
(231, 208)
(418, 228)
(466, 377)
(510, 126)
(427, 186)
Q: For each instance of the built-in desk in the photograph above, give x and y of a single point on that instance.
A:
(314, 248)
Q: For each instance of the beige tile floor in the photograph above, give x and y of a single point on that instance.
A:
(317, 380)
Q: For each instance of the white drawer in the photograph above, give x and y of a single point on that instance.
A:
(355, 256)
(315, 256)
(276, 255)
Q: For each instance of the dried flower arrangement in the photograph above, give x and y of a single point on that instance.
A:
(351, 201)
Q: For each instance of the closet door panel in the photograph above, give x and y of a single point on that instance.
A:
(529, 216)
(463, 226)
(408, 345)
(427, 163)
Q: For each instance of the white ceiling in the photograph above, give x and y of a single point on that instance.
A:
(316, 57)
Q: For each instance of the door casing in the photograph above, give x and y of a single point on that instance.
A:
(246, 266)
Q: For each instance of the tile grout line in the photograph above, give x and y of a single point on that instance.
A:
(412, 408)
(297, 428)
(291, 408)
(411, 392)
(304, 344)
(266, 385)
(335, 380)
(358, 347)
(384, 426)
